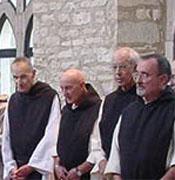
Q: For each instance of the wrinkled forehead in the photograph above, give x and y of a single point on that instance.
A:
(120, 58)
(21, 68)
(148, 65)
(67, 80)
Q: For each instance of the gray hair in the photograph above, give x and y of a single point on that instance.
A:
(164, 66)
(23, 59)
(130, 54)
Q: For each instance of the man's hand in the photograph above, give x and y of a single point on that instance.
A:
(170, 174)
(60, 172)
(72, 175)
(23, 172)
(102, 166)
(12, 174)
(117, 177)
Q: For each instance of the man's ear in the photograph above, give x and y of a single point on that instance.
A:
(34, 72)
(164, 79)
(82, 85)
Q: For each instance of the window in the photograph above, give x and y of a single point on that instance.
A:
(16, 33)
(14, 2)
(8, 52)
(29, 39)
(27, 2)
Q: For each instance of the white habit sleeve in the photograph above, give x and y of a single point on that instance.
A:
(113, 164)
(171, 152)
(41, 158)
(7, 155)
(96, 153)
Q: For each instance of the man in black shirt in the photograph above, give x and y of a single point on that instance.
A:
(76, 127)
(30, 126)
(124, 64)
(143, 142)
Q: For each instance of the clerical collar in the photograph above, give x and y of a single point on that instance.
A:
(74, 106)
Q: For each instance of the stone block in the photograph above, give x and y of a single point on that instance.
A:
(68, 32)
(141, 32)
(131, 3)
(66, 43)
(99, 16)
(143, 13)
(69, 64)
(81, 18)
(40, 7)
(93, 3)
(64, 18)
(77, 42)
(65, 54)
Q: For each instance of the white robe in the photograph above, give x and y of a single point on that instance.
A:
(96, 153)
(41, 158)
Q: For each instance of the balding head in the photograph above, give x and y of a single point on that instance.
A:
(72, 83)
(124, 63)
(23, 74)
(74, 75)
(127, 54)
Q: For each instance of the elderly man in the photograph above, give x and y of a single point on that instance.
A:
(143, 142)
(76, 127)
(30, 126)
(124, 63)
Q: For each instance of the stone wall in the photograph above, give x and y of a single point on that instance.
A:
(75, 33)
(84, 33)
(142, 25)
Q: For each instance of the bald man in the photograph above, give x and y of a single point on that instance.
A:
(76, 128)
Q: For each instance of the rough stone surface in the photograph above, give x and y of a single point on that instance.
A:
(75, 33)
(84, 33)
(131, 3)
(142, 24)
(145, 32)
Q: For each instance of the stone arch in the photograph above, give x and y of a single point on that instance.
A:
(28, 50)
(5, 17)
(2, 20)
(19, 18)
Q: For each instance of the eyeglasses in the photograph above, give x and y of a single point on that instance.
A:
(143, 75)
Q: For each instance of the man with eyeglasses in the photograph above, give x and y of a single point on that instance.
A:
(30, 126)
(143, 142)
(124, 63)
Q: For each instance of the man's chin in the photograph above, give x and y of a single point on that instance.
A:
(140, 92)
(69, 101)
(120, 83)
(22, 90)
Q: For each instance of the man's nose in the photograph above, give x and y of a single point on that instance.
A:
(137, 78)
(64, 92)
(117, 70)
(17, 80)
